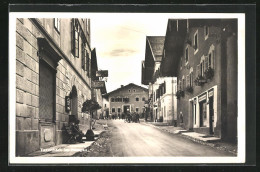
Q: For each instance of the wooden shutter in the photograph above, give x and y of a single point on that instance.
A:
(164, 87)
(83, 63)
(191, 79)
(213, 57)
(206, 62)
(198, 70)
(87, 63)
(76, 40)
(72, 36)
(188, 81)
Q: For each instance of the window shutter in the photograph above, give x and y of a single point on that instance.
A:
(191, 79)
(72, 37)
(188, 81)
(213, 56)
(183, 84)
(206, 62)
(198, 70)
(87, 63)
(76, 42)
(164, 87)
(83, 63)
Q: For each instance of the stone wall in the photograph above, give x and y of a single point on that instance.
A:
(27, 88)
(69, 74)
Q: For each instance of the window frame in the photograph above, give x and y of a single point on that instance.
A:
(196, 42)
(186, 55)
(137, 99)
(113, 109)
(57, 24)
(206, 32)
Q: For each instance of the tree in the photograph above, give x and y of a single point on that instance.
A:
(89, 106)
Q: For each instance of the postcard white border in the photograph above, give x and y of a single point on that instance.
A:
(240, 158)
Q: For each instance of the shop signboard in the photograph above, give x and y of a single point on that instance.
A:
(98, 84)
(102, 73)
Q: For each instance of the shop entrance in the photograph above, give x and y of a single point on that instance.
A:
(203, 114)
(211, 116)
(126, 109)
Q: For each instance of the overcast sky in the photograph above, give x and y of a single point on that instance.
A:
(119, 40)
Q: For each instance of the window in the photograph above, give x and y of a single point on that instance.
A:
(143, 99)
(118, 110)
(129, 91)
(183, 83)
(46, 92)
(188, 80)
(209, 60)
(191, 78)
(112, 99)
(57, 24)
(134, 90)
(137, 99)
(88, 66)
(206, 32)
(181, 63)
(105, 105)
(187, 54)
(201, 69)
(196, 42)
(75, 38)
(113, 110)
(84, 56)
(137, 109)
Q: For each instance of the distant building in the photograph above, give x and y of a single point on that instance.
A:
(129, 98)
(202, 53)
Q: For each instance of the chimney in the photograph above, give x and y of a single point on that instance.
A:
(122, 86)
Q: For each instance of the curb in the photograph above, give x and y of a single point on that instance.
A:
(86, 148)
(210, 143)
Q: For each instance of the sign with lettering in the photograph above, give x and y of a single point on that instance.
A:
(67, 103)
(98, 84)
(102, 73)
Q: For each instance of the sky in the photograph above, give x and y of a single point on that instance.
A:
(119, 40)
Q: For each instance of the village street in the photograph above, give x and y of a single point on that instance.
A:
(137, 139)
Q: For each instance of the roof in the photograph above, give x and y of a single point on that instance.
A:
(156, 44)
(123, 87)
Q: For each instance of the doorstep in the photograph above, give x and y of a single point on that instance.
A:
(201, 137)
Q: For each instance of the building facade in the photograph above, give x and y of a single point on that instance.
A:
(53, 79)
(162, 101)
(203, 56)
(97, 92)
(129, 98)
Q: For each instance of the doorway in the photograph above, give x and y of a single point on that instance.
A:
(203, 113)
(126, 109)
(211, 116)
(74, 102)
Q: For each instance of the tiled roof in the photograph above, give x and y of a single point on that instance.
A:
(129, 85)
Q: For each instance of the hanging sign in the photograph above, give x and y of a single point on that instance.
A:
(98, 84)
(102, 73)
(67, 103)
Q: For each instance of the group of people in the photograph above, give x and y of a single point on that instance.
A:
(75, 132)
(132, 117)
